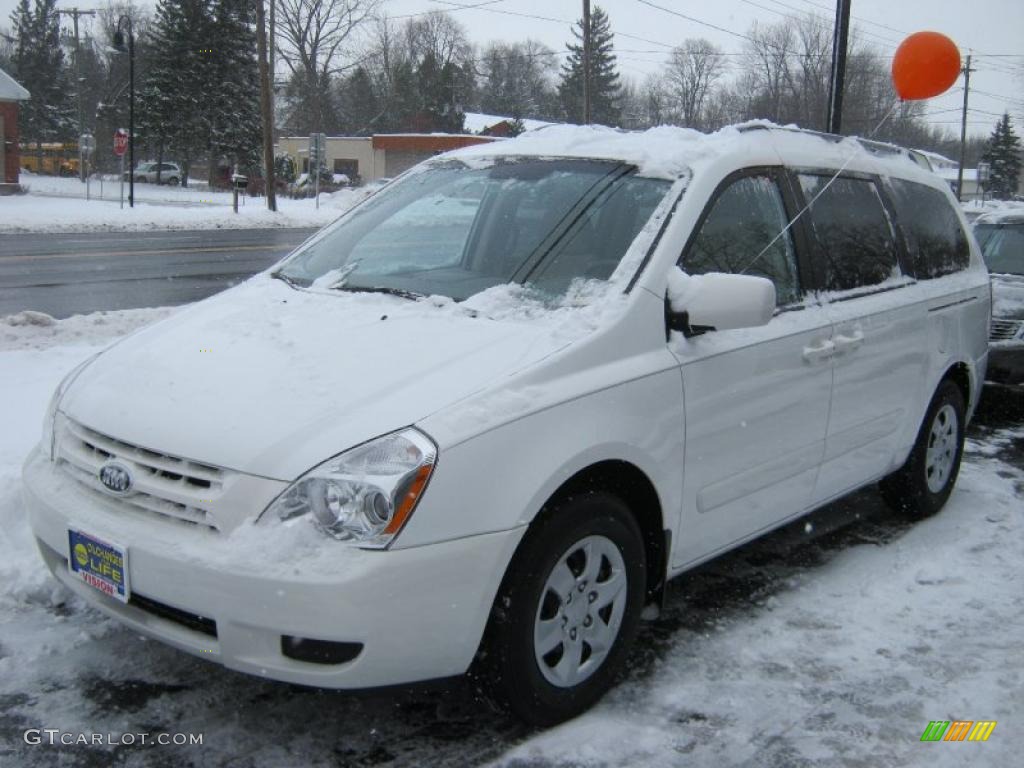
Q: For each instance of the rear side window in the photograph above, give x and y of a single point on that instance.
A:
(856, 245)
(741, 234)
(937, 242)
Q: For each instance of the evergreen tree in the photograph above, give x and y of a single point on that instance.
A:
(438, 107)
(1003, 154)
(170, 112)
(402, 99)
(231, 94)
(38, 63)
(360, 107)
(201, 93)
(604, 79)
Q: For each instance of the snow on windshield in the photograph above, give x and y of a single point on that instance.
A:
(455, 231)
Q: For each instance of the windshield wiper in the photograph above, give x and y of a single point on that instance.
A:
(412, 295)
(285, 279)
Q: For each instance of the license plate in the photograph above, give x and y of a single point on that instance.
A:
(100, 564)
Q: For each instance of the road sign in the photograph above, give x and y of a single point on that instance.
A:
(120, 142)
(86, 144)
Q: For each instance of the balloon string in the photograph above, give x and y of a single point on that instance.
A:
(820, 191)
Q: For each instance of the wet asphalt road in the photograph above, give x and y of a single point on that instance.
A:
(70, 274)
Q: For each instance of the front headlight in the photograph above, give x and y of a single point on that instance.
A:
(364, 495)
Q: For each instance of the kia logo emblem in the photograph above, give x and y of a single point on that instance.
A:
(115, 477)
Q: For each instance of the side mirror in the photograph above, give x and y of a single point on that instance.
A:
(718, 301)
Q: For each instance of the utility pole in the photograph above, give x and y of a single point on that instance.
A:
(840, 40)
(265, 107)
(586, 62)
(963, 131)
(74, 13)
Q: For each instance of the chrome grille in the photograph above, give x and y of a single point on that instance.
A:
(162, 484)
(1004, 330)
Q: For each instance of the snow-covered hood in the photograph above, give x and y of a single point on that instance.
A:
(271, 381)
(1008, 296)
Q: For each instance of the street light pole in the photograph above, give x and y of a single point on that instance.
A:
(119, 45)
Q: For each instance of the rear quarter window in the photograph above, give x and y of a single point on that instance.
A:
(936, 241)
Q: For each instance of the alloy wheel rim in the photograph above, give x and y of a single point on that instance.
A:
(941, 452)
(580, 611)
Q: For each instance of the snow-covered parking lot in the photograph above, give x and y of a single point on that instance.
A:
(831, 642)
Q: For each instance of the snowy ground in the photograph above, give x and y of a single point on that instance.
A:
(56, 204)
(831, 642)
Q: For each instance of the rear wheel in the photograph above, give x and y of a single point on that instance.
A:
(923, 484)
(568, 610)
(173, 181)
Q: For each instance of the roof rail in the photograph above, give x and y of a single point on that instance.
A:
(872, 146)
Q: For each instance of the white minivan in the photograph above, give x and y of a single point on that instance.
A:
(481, 419)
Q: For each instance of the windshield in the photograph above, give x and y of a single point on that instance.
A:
(1002, 247)
(454, 231)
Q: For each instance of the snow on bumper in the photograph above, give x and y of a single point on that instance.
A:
(417, 613)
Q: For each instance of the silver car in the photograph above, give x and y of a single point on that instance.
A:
(1001, 236)
(169, 173)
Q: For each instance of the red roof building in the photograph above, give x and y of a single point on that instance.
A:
(11, 93)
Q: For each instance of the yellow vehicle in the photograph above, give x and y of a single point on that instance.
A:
(58, 158)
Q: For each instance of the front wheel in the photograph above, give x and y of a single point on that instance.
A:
(923, 484)
(568, 609)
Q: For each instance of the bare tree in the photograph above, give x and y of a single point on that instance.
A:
(439, 35)
(769, 75)
(517, 79)
(695, 68)
(311, 40)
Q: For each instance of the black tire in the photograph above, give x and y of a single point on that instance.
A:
(173, 181)
(512, 671)
(916, 489)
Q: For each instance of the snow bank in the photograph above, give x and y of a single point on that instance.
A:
(41, 213)
(37, 330)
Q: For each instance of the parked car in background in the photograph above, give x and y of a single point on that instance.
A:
(170, 173)
(1001, 236)
(482, 418)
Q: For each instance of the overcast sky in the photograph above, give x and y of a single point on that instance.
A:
(993, 30)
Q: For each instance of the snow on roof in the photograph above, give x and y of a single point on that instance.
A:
(477, 122)
(937, 160)
(1006, 213)
(11, 89)
(667, 152)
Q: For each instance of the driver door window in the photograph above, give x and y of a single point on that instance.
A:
(740, 235)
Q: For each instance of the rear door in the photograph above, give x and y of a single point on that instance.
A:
(879, 326)
(756, 400)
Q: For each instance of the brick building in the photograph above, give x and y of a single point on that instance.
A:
(10, 94)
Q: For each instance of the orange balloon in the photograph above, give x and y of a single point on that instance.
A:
(926, 64)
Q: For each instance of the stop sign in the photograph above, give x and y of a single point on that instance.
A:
(120, 142)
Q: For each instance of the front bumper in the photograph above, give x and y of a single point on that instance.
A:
(418, 613)
(1006, 363)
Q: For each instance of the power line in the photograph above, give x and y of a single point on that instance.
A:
(857, 18)
(459, 8)
(880, 40)
(707, 24)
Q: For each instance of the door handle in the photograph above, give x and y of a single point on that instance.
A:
(848, 343)
(822, 351)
